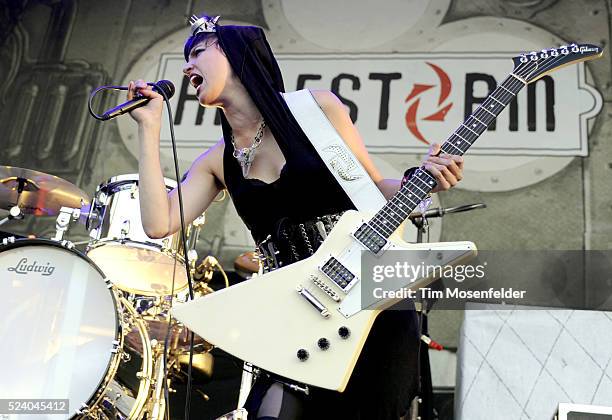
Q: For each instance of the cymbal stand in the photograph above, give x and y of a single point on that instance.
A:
(15, 212)
(419, 220)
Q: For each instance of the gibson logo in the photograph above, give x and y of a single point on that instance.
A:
(22, 267)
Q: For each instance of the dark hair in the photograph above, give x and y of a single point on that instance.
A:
(192, 41)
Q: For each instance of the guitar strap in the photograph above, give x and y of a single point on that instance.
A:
(338, 157)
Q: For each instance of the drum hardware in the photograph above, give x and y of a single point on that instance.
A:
(89, 349)
(204, 273)
(15, 213)
(62, 223)
(119, 245)
(419, 220)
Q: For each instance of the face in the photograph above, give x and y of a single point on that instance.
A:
(208, 71)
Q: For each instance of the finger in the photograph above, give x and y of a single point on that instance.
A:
(458, 159)
(450, 164)
(130, 92)
(436, 171)
(434, 149)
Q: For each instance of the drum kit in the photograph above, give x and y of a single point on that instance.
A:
(94, 327)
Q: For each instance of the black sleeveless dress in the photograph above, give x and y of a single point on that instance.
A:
(385, 378)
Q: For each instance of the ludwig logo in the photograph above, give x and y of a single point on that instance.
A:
(444, 86)
(22, 267)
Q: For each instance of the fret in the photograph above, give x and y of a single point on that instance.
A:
(500, 93)
(392, 214)
(468, 129)
(474, 126)
(473, 116)
(483, 117)
(493, 97)
(408, 197)
(485, 109)
(396, 210)
(380, 228)
(416, 186)
(509, 91)
(513, 84)
(453, 146)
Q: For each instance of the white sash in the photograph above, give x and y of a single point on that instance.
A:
(340, 160)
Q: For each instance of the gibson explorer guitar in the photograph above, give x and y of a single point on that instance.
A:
(305, 321)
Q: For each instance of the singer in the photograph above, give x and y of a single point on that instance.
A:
(281, 188)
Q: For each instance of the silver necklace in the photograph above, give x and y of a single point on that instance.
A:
(246, 155)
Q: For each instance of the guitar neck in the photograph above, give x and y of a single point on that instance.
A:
(396, 210)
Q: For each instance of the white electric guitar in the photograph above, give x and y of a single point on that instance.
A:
(305, 321)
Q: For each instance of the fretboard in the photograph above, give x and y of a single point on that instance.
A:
(396, 210)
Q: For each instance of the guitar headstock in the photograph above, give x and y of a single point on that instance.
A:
(531, 66)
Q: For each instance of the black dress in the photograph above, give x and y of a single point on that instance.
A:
(385, 377)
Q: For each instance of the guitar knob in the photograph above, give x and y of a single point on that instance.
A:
(323, 343)
(302, 354)
(344, 332)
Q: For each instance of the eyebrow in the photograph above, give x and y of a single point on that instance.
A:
(204, 41)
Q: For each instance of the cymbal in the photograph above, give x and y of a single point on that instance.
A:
(41, 194)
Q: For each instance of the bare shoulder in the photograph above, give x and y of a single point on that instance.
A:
(328, 101)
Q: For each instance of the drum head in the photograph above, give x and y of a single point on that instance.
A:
(60, 324)
(139, 268)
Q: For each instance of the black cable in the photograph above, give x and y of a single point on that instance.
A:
(94, 93)
(184, 240)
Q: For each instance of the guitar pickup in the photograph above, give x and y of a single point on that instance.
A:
(339, 274)
(371, 239)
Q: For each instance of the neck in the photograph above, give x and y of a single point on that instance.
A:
(242, 115)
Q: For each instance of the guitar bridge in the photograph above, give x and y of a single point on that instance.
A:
(326, 289)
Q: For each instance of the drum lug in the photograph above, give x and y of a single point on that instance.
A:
(141, 375)
(125, 229)
(84, 409)
(9, 240)
(133, 190)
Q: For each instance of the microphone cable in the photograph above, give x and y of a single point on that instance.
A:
(183, 239)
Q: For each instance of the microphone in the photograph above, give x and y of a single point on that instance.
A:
(163, 87)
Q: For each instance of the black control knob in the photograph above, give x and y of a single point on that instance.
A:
(323, 343)
(344, 332)
(302, 354)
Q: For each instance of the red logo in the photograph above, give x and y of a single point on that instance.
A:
(417, 90)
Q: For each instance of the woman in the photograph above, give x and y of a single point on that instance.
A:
(281, 194)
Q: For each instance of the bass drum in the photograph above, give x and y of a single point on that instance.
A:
(62, 336)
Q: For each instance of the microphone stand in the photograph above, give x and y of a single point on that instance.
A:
(419, 220)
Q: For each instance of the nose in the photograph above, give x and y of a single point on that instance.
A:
(187, 67)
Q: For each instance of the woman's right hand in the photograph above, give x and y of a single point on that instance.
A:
(152, 111)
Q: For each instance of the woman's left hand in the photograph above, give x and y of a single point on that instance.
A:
(447, 169)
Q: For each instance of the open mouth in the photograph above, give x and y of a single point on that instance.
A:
(196, 80)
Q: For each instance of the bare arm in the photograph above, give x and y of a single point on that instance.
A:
(160, 209)
(447, 169)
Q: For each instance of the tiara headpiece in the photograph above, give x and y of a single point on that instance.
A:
(203, 24)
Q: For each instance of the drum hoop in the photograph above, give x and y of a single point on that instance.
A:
(126, 242)
(111, 185)
(144, 386)
(115, 359)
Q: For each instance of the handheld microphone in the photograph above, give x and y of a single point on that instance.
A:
(163, 86)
